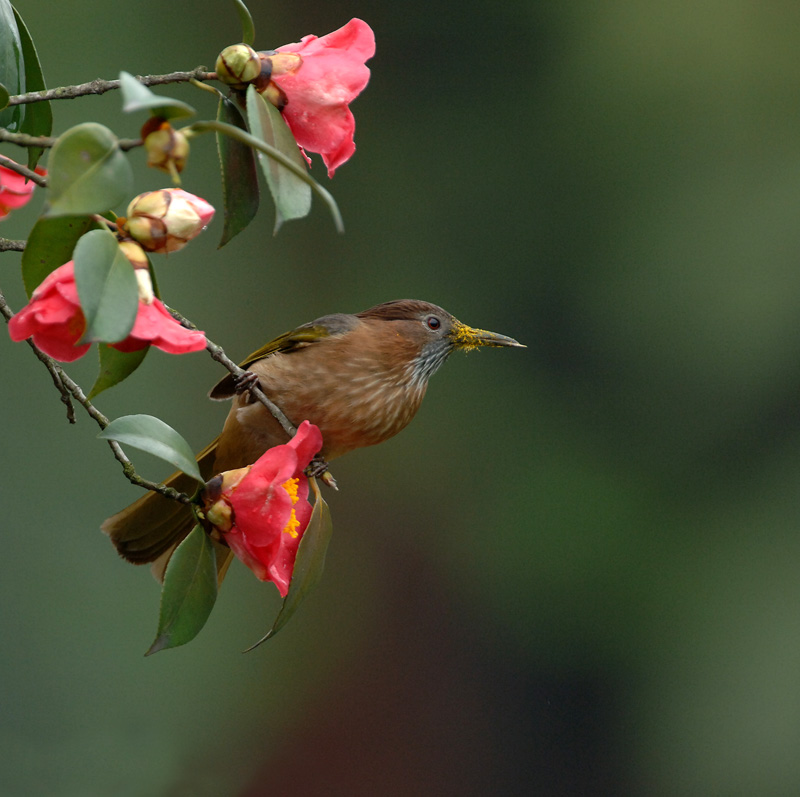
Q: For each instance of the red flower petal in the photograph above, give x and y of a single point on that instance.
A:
(268, 521)
(13, 200)
(15, 182)
(331, 75)
(15, 190)
(60, 349)
(306, 442)
(53, 317)
(155, 325)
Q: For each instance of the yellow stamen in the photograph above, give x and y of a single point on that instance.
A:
(291, 526)
(290, 485)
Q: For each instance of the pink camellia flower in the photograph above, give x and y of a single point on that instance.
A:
(262, 511)
(316, 84)
(165, 221)
(55, 321)
(15, 190)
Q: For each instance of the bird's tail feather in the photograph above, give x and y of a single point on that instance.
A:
(149, 529)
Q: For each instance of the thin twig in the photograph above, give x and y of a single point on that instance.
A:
(70, 389)
(31, 175)
(318, 466)
(127, 466)
(217, 353)
(102, 86)
(56, 375)
(47, 362)
(46, 142)
(9, 245)
(24, 140)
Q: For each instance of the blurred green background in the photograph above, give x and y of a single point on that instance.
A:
(576, 572)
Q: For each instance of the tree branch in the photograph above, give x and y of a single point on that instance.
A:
(218, 354)
(72, 390)
(24, 140)
(39, 179)
(102, 86)
(318, 466)
(9, 245)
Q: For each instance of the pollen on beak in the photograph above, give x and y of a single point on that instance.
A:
(467, 338)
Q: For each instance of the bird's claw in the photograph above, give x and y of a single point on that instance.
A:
(318, 468)
(244, 382)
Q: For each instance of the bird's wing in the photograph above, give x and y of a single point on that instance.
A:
(288, 342)
(302, 336)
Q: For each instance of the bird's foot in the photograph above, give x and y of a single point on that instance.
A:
(318, 468)
(245, 382)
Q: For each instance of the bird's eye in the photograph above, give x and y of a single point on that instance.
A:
(433, 322)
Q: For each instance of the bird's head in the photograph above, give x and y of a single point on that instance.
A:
(425, 335)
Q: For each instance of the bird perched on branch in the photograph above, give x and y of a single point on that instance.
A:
(359, 378)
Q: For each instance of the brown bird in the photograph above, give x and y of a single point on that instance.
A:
(360, 378)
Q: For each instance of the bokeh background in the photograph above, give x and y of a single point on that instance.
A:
(577, 571)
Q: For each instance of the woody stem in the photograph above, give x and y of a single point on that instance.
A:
(24, 171)
(69, 390)
(318, 466)
(102, 86)
(46, 142)
(217, 353)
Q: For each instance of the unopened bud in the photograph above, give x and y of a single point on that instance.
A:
(133, 251)
(238, 65)
(282, 63)
(167, 148)
(275, 65)
(220, 515)
(141, 265)
(166, 220)
(216, 495)
(145, 284)
(275, 95)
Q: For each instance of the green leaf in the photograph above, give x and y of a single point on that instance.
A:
(12, 67)
(189, 592)
(155, 437)
(248, 29)
(107, 287)
(291, 194)
(138, 97)
(87, 172)
(115, 366)
(4, 96)
(50, 245)
(260, 146)
(309, 564)
(239, 176)
(38, 119)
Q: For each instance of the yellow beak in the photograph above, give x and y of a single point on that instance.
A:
(467, 338)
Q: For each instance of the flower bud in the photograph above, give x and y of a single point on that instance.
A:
(145, 285)
(238, 65)
(216, 498)
(134, 252)
(282, 63)
(274, 65)
(166, 220)
(141, 265)
(273, 94)
(167, 148)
